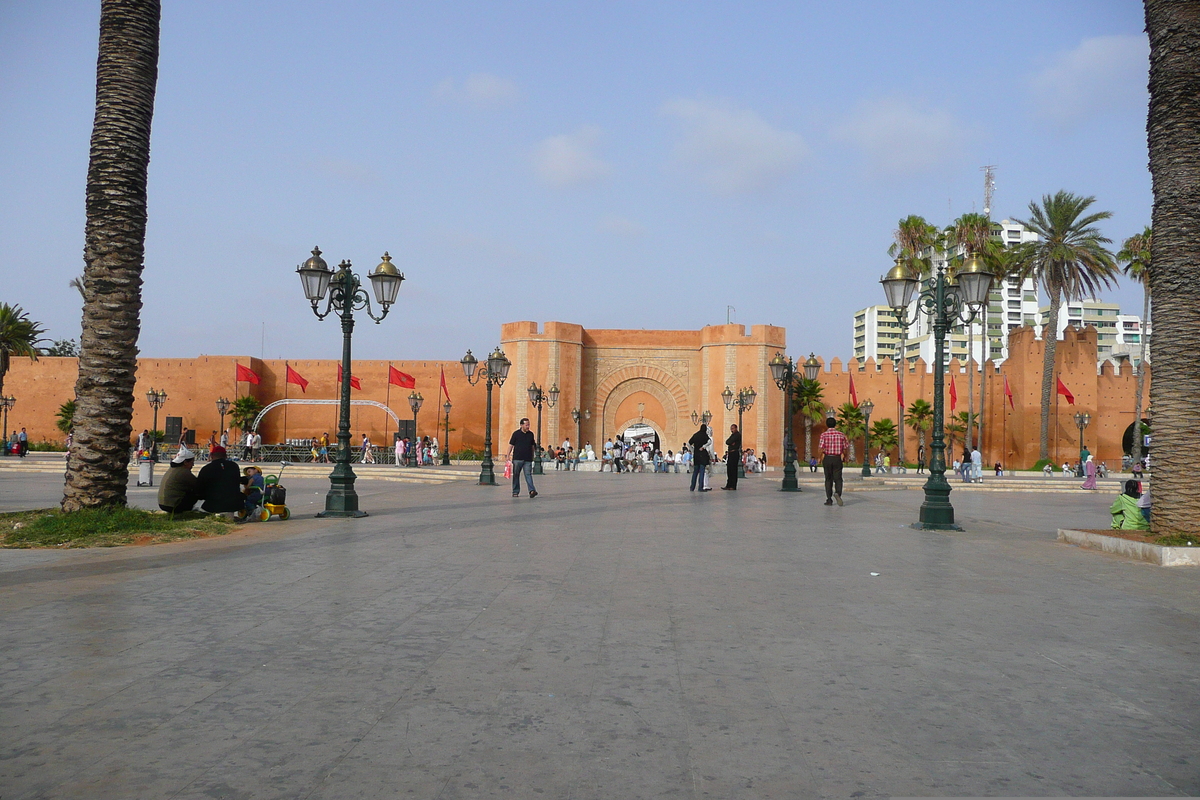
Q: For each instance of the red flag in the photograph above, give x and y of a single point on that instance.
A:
(899, 390)
(246, 374)
(1065, 392)
(444, 389)
(953, 393)
(1008, 394)
(853, 394)
(403, 379)
(294, 377)
(354, 382)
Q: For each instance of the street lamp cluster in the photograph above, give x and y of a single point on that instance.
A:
(344, 290)
(6, 403)
(943, 300)
(494, 372)
(222, 409)
(1081, 421)
(157, 398)
(744, 400)
(783, 370)
(536, 398)
(414, 402)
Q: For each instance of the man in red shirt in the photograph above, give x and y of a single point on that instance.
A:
(834, 445)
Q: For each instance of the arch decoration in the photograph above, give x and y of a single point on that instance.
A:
(295, 401)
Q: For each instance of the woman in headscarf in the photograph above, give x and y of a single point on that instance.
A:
(1126, 515)
(1089, 469)
(698, 442)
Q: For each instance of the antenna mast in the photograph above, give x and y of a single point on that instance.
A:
(989, 188)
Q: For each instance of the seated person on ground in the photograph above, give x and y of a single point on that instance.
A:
(219, 485)
(177, 492)
(253, 485)
(1126, 515)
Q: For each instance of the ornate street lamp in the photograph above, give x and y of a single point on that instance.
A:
(1081, 421)
(156, 399)
(866, 407)
(695, 418)
(536, 398)
(744, 400)
(579, 416)
(783, 370)
(6, 403)
(494, 371)
(414, 402)
(942, 303)
(222, 409)
(446, 444)
(345, 295)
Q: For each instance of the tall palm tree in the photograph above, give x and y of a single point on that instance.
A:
(114, 249)
(1174, 136)
(972, 233)
(808, 400)
(1000, 261)
(914, 237)
(19, 336)
(920, 419)
(1135, 254)
(1070, 262)
(850, 422)
(884, 434)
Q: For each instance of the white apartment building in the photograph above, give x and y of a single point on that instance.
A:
(1117, 335)
(1012, 303)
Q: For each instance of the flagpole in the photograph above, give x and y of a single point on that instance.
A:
(387, 401)
(1056, 420)
(285, 405)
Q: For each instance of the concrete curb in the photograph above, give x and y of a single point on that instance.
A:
(1143, 551)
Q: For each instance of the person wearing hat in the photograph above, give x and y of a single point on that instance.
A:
(252, 488)
(177, 492)
(219, 485)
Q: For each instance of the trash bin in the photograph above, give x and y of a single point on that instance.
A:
(145, 473)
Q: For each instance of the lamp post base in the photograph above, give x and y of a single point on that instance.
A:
(342, 500)
(937, 514)
(538, 469)
(790, 484)
(487, 474)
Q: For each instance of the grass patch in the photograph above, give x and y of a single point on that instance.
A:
(106, 527)
(1178, 540)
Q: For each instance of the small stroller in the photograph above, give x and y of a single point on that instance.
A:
(275, 497)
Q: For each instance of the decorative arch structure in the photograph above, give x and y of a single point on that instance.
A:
(294, 401)
(629, 423)
(659, 384)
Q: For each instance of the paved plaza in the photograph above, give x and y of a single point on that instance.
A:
(616, 637)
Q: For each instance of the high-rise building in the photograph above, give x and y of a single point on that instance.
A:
(1117, 334)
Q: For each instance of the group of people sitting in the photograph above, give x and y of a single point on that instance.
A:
(220, 488)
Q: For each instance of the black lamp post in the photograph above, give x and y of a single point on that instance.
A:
(744, 400)
(783, 370)
(866, 407)
(345, 296)
(222, 409)
(579, 416)
(157, 400)
(414, 402)
(942, 303)
(446, 444)
(495, 370)
(1081, 421)
(536, 398)
(6, 403)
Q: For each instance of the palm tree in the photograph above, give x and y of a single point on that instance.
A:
(884, 434)
(19, 336)
(1172, 126)
(920, 418)
(972, 233)
(956, 428)
(1135, 254)
(850, 422)
(808, 400)
(65, 417)
(244, 410)
(914, 236)
(1070, 262)
(114, 250)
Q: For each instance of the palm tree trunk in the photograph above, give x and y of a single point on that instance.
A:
(983, 378)
(902, 367)
(1135, 452)
(1174, 137)
(1050, 347)
(807, 438)
(114, 248)
(970, 382)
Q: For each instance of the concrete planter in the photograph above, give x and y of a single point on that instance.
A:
(1143, 551)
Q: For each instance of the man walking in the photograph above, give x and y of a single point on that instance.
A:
(834, 445)
(733, 457)
(520, 451)
(698, 442)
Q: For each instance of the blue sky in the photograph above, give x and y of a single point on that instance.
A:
(619, 165)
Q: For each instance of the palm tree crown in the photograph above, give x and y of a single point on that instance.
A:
(19, 336)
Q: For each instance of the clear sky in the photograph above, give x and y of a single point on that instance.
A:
(618, 164)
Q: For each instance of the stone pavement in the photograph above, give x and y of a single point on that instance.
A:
(613, 638)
